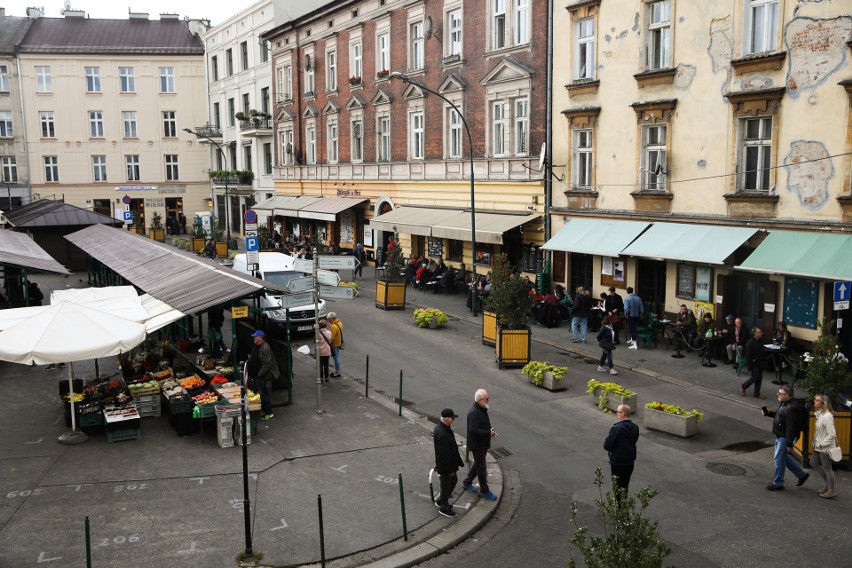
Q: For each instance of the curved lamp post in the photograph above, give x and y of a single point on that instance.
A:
(406, 79)
(227, 197)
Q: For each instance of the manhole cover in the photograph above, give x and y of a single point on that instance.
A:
(727, 469)
(501, 452)
(744, 447)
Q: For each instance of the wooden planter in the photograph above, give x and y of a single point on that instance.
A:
(513, 347)
(221, 249)
(157, 235)
(683, 426)
(390, 295)
(137, 230)
(197, 243)
(489, 328)
(613, 400)
(551, 384)
(842, 426)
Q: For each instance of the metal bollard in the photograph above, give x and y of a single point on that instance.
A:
(402, 504)
(322, 531)
(400, 392)
(367, 379)
(88, 544)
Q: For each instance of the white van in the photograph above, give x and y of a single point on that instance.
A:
(277, 268)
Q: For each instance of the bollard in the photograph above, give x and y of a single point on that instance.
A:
(88, 545)
(400, 392)
(402, 504)
(322, 532)
(367, 379)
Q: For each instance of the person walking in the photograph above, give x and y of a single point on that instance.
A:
(336, 328)
(324, 349)
(479, 434)
(634, 309)
(621, 445)
(825, 437)
(580, 316)
(215, 321)
(786, 425)
(606, 341)
(35, 294)
(447, 460)
(262, 370)
(614, 306)
(361, 257)
(756, 356)
(182, 223)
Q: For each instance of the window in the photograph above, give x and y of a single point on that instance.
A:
(654, 157)
(383, 52)
(96, 124)
(169, 124)
(454, 149)
(581, 159)
(287, 147)
(357, 140)
(231, 112)
(167, 79)
(761, 26)
(214, 68)
(384, 150)
(4, 78)
(522, 22)
(264, 100)
(229, 62)
(522, 127)
(99, 171)
(128, 118)
(584, 49)
(244, 55)
(756, 153)
(217, 121)
(44, 83)
(332, 150)
(267, 158)
(6, 124)
(416, 50)
(172, 173)
(416, 149)
(264, 53)
(659, 35)
(285, 82)
(498, 25)
(132, 163)
(93, 79)
(331, 71)
(127, 82)
(311, 135)
(309, 79)
(455, 250)
(51, 169)
(246, 105)
(10, 168)
(247, 162)
(355, 64)
(498, 128)
(454, 23)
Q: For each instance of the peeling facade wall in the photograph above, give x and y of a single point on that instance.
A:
(816, 49)
(809, 170)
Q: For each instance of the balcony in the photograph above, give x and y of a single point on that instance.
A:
(234, 179)
(256, 127)
(208, 130)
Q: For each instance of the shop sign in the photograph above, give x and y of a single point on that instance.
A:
(155, 202)
(349, 193)
(135, 187)
(239, 312)
(172, 188)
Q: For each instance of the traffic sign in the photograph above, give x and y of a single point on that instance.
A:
(239, 312)
(842, 291)
(250, 216)
(328, 278)
(252, 257)
(337, 292)
(292, 300)
(338, 262)
(251, 232)
(128, 216)
(252, 244)
(301, 284)
(251, 227)
(303, 265)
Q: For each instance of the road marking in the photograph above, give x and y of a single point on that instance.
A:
(42, 559)
(238, 504)
(77, 487)
(283, 526)
(341, 468)
(191, 549)
(371, 415)
(37, 442)
(200, 480)
(57, 422)
(422, 440)
(298, 453)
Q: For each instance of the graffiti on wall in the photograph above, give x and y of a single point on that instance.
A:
(809, 169)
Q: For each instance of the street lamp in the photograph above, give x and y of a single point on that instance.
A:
(406, 79)
(227, 197)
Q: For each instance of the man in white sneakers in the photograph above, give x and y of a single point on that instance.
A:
(634, 310)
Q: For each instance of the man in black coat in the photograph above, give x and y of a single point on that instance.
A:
(479, 434)
(756, 357)
(614, 306)
(621, 445)
(447, 460)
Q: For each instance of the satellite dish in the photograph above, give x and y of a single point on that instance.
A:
(542, 155)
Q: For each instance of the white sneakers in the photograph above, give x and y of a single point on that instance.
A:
(613, 372)
(601, 369)
(632, 344)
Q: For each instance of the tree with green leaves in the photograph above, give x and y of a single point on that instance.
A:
(509, 297)
(197, 227)
(394, 262)
(827, 372)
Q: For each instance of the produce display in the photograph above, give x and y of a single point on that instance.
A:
(193, 382)
(146, 386)
(205, 398)
(171, 389)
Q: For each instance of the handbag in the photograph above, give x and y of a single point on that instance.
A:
(606, 345)
(835, 453)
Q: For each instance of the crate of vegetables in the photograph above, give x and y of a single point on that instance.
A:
(144, 388)
(192, 382)
(206, 403)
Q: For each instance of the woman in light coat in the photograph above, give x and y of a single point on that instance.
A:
(824, 438)
(324, 350)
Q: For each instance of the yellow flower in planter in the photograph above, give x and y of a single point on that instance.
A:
(423, 316)
(674, 409)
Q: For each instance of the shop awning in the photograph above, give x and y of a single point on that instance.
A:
(327, 208)
(703, 244)
(411, 220)
(19, 249)
(276, 201)
(489, 226)
(596, 236)
(812, 255)
(291, 208)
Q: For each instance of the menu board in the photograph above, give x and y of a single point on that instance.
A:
(685, 281)
(436, 247)
(532, 260)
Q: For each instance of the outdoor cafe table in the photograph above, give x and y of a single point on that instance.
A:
(674, 333)
(776, 353)
(711, 345)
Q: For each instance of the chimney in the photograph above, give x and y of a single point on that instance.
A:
(35, 13)
(170, 16)
(138, 15)
(74, 13)
(2, 12)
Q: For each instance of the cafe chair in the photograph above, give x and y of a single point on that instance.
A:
(741, 362)
(647, 333)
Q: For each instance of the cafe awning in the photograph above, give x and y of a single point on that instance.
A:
(596, 236)
(811, 255)
(291, 208)
(411, 220)
(276, 201)
(703, 244)
(328, 208)
(489, 226)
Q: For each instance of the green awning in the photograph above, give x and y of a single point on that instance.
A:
(596, 236)
(702, 244)
(812, 255)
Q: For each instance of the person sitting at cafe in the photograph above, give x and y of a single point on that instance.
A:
(686, 319)
(548, 313)
(566, 302)
(737, 337)
(782, 335)
(528, 283)
(460, 282)
(597, 313)
(701, 336)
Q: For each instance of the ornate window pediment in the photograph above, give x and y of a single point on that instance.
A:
(382, 97)
(507, 70)
(356, 101)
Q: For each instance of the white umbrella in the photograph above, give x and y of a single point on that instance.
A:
(67, 332)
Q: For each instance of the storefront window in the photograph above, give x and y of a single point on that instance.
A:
(484, 254)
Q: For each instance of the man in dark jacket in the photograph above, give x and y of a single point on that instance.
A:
(787, 424)
(479, 434)
(737, 336)
(447, 460)
(262, 369)
(756, 357)
(580, 316)
(614, 306)
(621, 445)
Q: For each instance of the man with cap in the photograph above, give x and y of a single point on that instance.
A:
(479, 434)
(447, 460)
(262, 370)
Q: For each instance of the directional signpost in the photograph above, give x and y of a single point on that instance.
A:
(842, 292)
(301, 284)
(338, 262)
(337, 292)
(301, 299)
(328, 278)
(303, 265)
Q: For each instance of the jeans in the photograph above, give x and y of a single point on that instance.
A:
(335, 353)
(478, 470)
(265, 398)
(579, 328)
(622, 475)
(632, 322)
(324, 367)
(784, 460)
(607, 357)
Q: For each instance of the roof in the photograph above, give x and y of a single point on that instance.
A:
(810, 255)
(603, 237)
(116, 37)
(12, 31)
(49, 213)
(273, 202)
(20, 250)
(450, 223)
(185, 282)
(703, 244)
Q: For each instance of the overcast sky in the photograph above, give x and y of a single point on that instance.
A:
(215, 11)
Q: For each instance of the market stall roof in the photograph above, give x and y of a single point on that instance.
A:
(704, 244)
(602, 237)
(410, 220)
(19, 249)
(276, 201)
(185, 282)
(122, 301)
(49, 213)
(489, 226)
(811, 255)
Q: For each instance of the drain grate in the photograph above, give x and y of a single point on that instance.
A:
(727, 469)
(501, 452)
(745, 447)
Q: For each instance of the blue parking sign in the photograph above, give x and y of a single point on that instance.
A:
(252, 243)
(128, 216)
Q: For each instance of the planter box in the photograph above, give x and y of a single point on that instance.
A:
(549, 383)
(843, 426)
(390, 295)
(197, 243)
(683, 426)
(513, 347)
(489, 328)
(157, 235)
(221, 249)
(613, 400)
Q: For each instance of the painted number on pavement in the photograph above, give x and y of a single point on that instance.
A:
(134, 538)
(131, 487)
(391, 480)
(24, 493)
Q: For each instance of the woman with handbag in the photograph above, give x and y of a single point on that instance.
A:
(324, 350)
(825, 438)
(606, 341)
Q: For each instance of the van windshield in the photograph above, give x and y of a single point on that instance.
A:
(282, 278)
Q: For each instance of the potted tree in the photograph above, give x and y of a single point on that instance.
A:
(543, 374)
(672, 419)
(390, 292)
(196, 239)
(219, 239)
(510, 300)
(158, 232)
